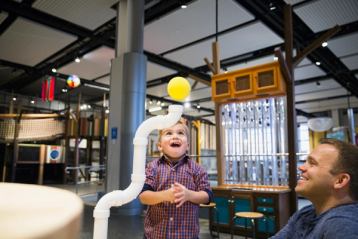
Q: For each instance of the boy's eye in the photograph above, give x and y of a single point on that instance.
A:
(168, 133)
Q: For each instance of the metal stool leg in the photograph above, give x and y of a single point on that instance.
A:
(217, 221)
(253, 228)
(232, 227)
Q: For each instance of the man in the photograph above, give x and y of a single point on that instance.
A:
(329, 179)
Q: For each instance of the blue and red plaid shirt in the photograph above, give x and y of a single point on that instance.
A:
(164, 220)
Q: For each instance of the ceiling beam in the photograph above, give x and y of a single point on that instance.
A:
(43, 18)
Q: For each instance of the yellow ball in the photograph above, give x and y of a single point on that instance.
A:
(178, 88)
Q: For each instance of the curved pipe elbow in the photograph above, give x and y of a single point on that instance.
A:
(160, 121)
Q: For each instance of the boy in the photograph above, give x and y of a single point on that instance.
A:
(174, 187)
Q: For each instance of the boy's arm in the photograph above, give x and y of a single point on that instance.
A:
(151, 198)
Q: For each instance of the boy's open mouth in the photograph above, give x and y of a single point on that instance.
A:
(175, 144)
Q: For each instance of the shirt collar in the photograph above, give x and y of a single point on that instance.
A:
(181, 161)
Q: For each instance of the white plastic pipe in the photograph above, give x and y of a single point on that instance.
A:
(119, 197)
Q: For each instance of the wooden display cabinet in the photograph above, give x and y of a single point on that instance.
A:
(250, 83)
(272, 202)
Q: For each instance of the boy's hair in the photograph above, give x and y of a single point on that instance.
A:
(347, 162)
(182, 122)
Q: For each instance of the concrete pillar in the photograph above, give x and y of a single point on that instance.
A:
(127, 99)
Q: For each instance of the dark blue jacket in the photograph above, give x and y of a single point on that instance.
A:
(340, 222)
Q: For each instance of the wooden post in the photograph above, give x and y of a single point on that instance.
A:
(197, 124)
(77, 150)
(102, 142)
(216, 57)
(220, 164)
(16, 144)
(67, 137)
(291, 112)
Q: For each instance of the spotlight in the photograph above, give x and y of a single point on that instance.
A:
(77, 60)
(318, 63)
(54, 70)
(324, 44)
(272, 6)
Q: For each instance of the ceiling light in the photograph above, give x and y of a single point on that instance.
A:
(77, 60)
(318, 63)
(157, 108)
(198, 106)
(64, 90)
(54, 70)
(14, 98)
(272, 6)
(183, 6)
(187, 105)
(32, 102)
(107, 111)
(324, 44)
(96, 87)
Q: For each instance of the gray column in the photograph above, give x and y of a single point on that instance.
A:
(127, 99)
(335, 117)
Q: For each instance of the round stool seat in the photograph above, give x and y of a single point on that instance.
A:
(249, 215)
(212, 204)
(33, 211)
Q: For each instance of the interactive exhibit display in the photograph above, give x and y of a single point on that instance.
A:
(252, 150)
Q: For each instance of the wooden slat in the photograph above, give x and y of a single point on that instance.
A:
(28, 116)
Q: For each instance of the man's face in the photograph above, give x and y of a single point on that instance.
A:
(316, 181)
(174, 142)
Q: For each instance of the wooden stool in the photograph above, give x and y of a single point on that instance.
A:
(212, 208)
(33, 211)
(247, 215)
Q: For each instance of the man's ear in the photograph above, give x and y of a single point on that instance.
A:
(342, 180)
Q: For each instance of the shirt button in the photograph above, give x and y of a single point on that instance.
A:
(171, 219)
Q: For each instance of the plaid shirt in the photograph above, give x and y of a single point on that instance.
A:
(164, 220)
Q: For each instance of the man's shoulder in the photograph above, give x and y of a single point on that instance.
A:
(341, 221)
(345, 210)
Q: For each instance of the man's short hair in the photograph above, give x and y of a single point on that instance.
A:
(347, 162)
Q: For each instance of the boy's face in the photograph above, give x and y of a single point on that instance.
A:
(174, 142)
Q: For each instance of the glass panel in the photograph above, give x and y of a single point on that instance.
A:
(242, 83)
(222, 87)
(265, 78)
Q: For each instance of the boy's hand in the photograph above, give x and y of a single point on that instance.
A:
(181, 194)
(169, 195)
